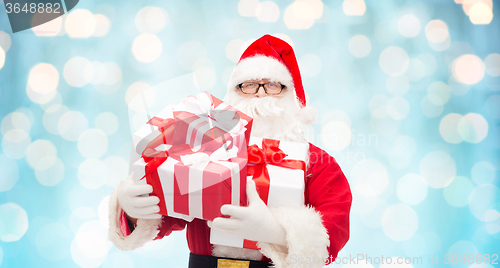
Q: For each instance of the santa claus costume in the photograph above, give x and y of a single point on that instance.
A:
(315, 231)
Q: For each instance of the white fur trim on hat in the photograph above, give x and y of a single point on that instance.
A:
(307, 115)
(307, 238)
(145, 231)
(260, 67)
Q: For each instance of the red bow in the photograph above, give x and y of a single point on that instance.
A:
(260, 158)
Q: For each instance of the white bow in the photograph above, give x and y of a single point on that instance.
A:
(201, 160)
(203, 106)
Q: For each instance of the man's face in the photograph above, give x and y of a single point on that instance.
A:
(261, 92)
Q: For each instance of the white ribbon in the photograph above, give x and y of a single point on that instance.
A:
(203, 106)
(201, 160)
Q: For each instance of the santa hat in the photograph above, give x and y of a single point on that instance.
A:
(272, 58)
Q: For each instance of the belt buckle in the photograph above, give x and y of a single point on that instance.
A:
(225, 263)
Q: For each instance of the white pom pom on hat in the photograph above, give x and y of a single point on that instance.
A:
(272, 58)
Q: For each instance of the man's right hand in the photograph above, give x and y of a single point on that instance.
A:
(135, 205)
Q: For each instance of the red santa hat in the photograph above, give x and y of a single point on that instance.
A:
(272, 58)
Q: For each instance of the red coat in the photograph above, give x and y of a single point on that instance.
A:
(327, 190)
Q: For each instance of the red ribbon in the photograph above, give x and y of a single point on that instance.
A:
(155, 158)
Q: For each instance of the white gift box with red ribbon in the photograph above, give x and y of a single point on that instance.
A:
(286, 188)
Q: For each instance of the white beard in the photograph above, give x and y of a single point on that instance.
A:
(274, 118)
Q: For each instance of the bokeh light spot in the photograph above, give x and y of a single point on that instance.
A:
(468, 69)
(53, 240)
(107, 122)
(80, 23)
(14, 222)
(90, 246)
(492, 64)
(398, 85)
(140, 97)
(248, 8)
(473, 128)
(399, 222)
(394, 61)
(354, 7)
(78, 71)
(72, 124)
(15, 120)
(336, 135)
(431, 106)
(360, 46)
(398, 108)
(151, 19)
(189, 53)
(10, 173)
(15, 143)
(234, 49)
(483, 172)
(440, 90)
(482, 199)
(92, 173)
(448, 128)
(42, 154)
(369, 178)
(5, 41)
(52, 175)
(147, 47)
(103, 25)
(438, 169)
(411, 189)
(51, 117)
(409, 25)
(92, 143)
(267, 11)
(436, 31)
(310, 65)
(480, 13)
(205, 78)
(117, 170)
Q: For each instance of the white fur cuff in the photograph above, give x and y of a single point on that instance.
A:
(306, 237)
(145, 231)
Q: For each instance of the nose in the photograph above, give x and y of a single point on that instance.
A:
(260, 92)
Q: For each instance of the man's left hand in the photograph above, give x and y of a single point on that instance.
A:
(254, 222)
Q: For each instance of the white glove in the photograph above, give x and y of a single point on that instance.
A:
(135, 205)
(254, 222)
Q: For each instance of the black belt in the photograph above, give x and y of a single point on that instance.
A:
(206, 261)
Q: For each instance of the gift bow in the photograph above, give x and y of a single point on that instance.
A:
(202, 159)
(269, 154)
(203, 106)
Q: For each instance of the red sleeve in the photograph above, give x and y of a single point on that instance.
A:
(168, 225)
(328, 191)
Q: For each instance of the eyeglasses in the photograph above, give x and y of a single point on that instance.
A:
(271, 88)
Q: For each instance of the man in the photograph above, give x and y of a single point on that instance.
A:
(266, 85)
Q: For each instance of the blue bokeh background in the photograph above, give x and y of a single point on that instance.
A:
(410, 109)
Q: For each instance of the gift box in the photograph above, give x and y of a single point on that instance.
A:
(195, 184)
(278, 169)
(193, 158)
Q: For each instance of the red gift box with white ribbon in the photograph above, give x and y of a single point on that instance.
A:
(192, 170)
